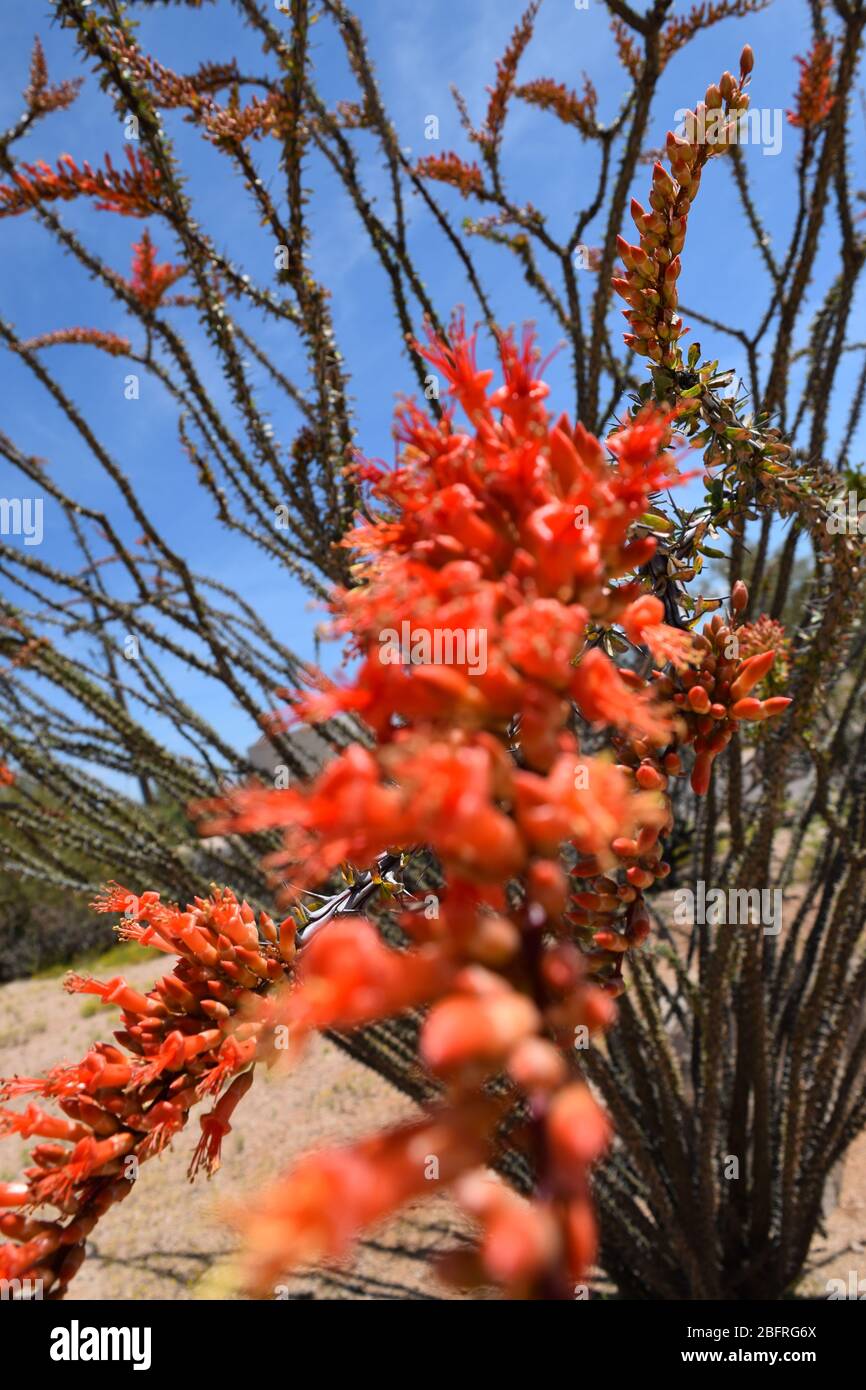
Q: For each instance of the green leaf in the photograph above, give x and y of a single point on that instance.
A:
(658, 523)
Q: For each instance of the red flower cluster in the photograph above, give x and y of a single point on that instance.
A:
(711, 691)
(450, 168)
(765, 634)
(134, 192)
(149, 280)
(42, 96)
(815, 98)
(574, 110)
(198, 1031)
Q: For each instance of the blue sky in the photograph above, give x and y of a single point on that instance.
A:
(419, 51)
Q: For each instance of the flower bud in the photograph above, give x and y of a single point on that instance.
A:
(459, 1030)
(751, 672)
(638, 877)
(578, 1133)
(748, 708)
(548, 885)
(287, 930)
(14, 1194)
(662, 181)
(535, 1064)
(701, 773)
(776, 704)
(649, 778)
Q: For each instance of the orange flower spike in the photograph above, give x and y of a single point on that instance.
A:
(449, 168)
(135, 192)
(815, 97)
(476, 532)
(114, 1106)
(150, 281)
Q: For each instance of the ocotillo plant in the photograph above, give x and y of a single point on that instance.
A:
(754, 1041)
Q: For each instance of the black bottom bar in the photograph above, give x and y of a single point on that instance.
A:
(161, 1338)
